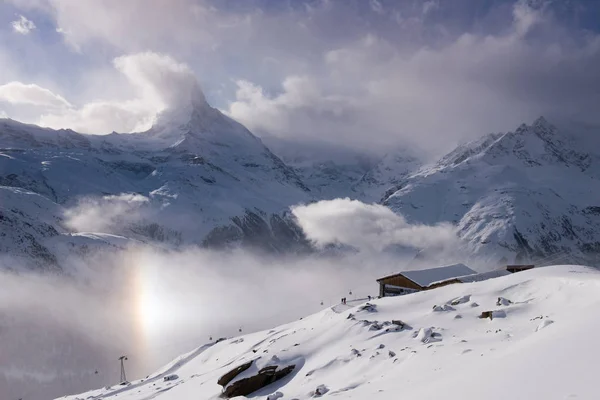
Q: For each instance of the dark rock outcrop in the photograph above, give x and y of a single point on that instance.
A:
(265, 377)
(259, 231)
(228, 377)
(487, 314)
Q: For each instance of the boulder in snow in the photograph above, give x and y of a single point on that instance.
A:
(170, 377)
(427, 335)
(320, 391)
(444, 307)
(503, 302)
(544, 324)
(275, 396)
(399, 323)
(460, 300)
(265, 377)
(228, 377)
(368, 307)
(492, 314)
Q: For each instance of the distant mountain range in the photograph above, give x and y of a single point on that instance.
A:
(202, 178)
(532, 194)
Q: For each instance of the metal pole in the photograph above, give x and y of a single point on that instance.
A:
(123, 376)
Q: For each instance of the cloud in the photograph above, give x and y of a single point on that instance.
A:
(159, 79)
(370, 227)
(154, 305)
(301, 101)
(375, 93)
(156, 81)
(371, 74)
(31, 94)
(107, 214)
(23, 25)
(376, 6)
(430, 6)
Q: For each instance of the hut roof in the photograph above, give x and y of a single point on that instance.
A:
(484, 276)
(425, 277)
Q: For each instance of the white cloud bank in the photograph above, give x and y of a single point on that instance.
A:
(153, 305)
(106, 214)
(374, 92)
(31, 94)
(370, 74)
(23, 25)
(370, 227)
(157, 82)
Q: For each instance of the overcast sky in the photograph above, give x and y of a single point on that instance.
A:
(365, 73)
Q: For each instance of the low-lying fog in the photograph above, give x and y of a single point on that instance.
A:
(63, 334)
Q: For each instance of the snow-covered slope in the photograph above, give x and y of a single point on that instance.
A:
(381, 180)
(27, 220)
(33, 235)
(334, 171)
(533, 193)
(330, 171)
(402, 348)
(528, 195)
(199, 169)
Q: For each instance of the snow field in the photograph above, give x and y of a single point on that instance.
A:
(542, 347)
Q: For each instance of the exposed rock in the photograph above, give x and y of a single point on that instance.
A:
(427, 335)
(444, 307)
(170, 377)
(320, 391)
(275, 396)
(486, 314)
(265, 377)
(375, 326)
(228, 377)
(503, 302)
(460, 300)
(399, 323)
(492, 314)
(368, 307)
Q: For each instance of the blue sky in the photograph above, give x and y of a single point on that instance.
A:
(358, 72)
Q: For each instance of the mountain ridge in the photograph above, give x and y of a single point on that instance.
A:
(528, 192)
(521, 195)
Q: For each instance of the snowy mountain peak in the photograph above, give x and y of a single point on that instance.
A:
(543, 123)
(192, 105)
(194, 126)
(530, 191)
(540, 127)
(538, 144)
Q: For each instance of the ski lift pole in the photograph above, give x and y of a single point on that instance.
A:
(123, 376)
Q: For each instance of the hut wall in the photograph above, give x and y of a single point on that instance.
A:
(400, 280)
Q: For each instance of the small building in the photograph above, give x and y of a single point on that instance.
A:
(406, 282)
(519, 267)
(484, 276)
